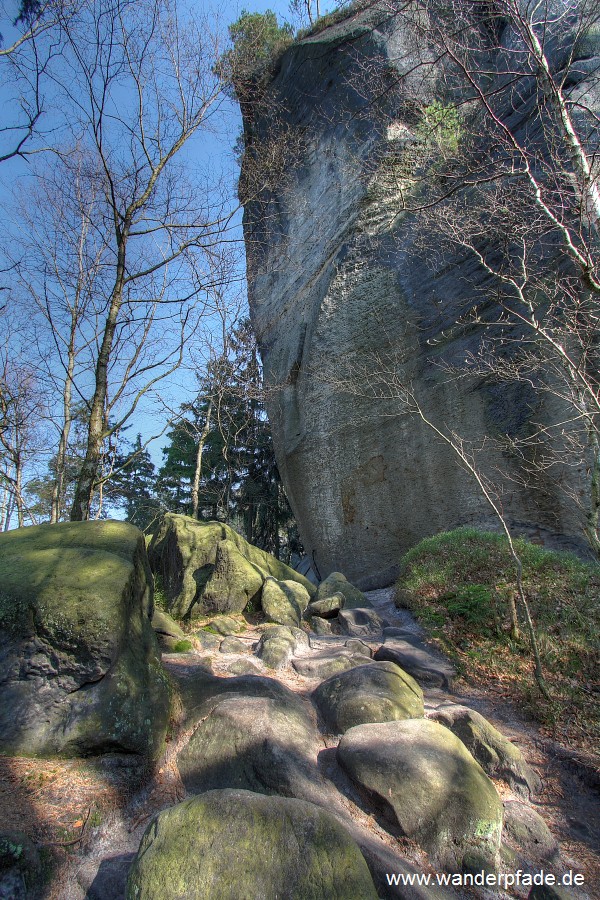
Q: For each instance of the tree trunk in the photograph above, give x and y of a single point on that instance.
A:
(58, 494)
(198, 469)
(88, 474)
(18, 490)
(593, 512)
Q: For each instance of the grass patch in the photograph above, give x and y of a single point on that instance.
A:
(182, 647)
(458, 585)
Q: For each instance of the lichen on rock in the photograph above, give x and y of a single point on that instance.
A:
(207, 567)
(81, 670)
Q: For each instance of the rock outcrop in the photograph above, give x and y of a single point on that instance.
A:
(80, 669)
(284, 602)
(339, 276)
(209, 568)
(494, 753)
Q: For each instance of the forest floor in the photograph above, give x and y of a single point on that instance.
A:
(86, 817)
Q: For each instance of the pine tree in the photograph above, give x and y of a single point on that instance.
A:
(223, 440)
(132, 486)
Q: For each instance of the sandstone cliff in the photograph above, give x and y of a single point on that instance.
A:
(337, 277)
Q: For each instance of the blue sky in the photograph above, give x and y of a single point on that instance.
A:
(215, 152)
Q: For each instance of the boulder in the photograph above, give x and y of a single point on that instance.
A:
(324, 665)
(233, 844)
(175, 645)
(168, 633)
(243, 667)
(338, 583)
(80, 671)
(425, 664)
(207, 640)
(264, 744)
(299, 592)
(163, 623)
(232, 645)
(278, 644)
(321, 626)
(423, 779)
(233, 583)
(494, 753)
(328, 608)
(378, 692)
(284, 602)
(225, 625)
(207, 567)
(528, 831)
(359, 622)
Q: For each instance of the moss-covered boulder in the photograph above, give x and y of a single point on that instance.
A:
(264, 744)
(423, 779)
(379, 692)
(338, 583)
(225, 626)
(234, 582)
(168, 632)
(278, 644)
(207, 567)
(494, 753)
(284, 602)
(163, 623)
(234, 844)
(328, 608)
(232, 644)
(79, 663)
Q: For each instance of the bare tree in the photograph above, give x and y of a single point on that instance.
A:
(140, 85)
(34, 40)
(21, 411)
(61, 261)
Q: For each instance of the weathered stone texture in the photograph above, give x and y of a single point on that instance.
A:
(335, 277)
(80, 671)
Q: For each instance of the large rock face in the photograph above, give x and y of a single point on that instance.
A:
(80, 670)
(336, 277)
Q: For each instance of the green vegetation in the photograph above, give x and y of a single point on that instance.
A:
(182, 647)
(459, 583)
(160, 598)
(258, 40)
(440, 127)
(343, 11)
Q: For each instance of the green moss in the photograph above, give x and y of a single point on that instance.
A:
(57, 574)
(184, 553)
(182, 647)
(277, 847)
(459, 585)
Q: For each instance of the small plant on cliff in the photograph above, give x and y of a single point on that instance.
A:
(440, 127)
